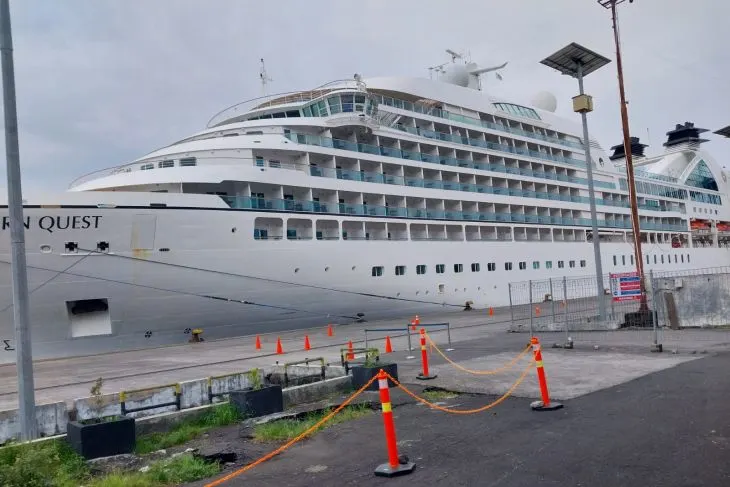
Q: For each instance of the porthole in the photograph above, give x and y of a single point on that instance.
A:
(417, 292)
(296, 270)
(326, 269)
(233, 230)
(479, 288)
(426, 292)
(354, 267)
(45, 249)
(397, 295)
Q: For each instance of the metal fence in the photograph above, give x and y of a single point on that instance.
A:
(683, 306)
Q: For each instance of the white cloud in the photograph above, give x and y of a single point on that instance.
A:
(103, 82)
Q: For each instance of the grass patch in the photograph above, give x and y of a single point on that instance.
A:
(438, 395)
(54, 463)
(217, 416)
(286, 429)
(176, 471)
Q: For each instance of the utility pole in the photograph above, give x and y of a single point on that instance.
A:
(24, 360)
(636, 229)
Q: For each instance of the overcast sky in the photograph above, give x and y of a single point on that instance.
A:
(101, 82)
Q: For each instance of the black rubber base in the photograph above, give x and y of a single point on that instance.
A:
(385, 470)
(426, 377)
(539, 406)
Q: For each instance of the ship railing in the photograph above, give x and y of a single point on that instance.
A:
(277, 99)
(356, 209)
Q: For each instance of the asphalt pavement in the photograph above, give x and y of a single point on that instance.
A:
(667, 428)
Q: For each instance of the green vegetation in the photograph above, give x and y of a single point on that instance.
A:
(53, 463)
(223, 415)
(176, 471)
(287, 429)
(438, 395)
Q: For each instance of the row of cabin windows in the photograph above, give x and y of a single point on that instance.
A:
(678, 258)
(184, 162)
(400, 270)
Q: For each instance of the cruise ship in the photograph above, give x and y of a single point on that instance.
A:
(357, 200)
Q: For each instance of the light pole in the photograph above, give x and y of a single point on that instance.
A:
(24, 360)
(635, 225)
(577, 61)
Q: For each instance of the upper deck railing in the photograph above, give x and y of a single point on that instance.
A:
(269, 101)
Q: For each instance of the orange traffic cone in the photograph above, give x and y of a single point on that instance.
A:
(330, 332)
(279, 348)
(258, 342)
(350, 352)
(491, 311)
(388, 346)
(306, 343)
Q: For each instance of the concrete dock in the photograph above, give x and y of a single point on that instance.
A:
(481, 342)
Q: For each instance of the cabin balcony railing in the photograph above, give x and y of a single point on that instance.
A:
(354, 209)
(373, 177)
(448, 161)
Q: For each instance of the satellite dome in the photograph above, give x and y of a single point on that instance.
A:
(545, 101)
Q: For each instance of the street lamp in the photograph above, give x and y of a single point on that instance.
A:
(577, 61)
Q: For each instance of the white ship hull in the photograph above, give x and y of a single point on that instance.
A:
(166, 267)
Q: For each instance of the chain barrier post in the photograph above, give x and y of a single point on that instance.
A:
(424, 375)
(448, 336)
(396, 465)
(545, 404)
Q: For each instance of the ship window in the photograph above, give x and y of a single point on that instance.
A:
(623, 260)
(701, 177)
(260, 161)
(548, 264)
(292, 113)
(523, 265)
(188, 161)
(166, 163)
(508, 266)
(377, 271)
(631, 258)
(400, 270)
(582, 263)
(420, 269)
(334, 103)
(307, 111)
(571, 264)
(347, 103)
(647, 260)
(458, 268)
(535, 264)
(682, 258)
(561, 264)
(655, 258)
(492, 266)
(440, 268)
(614, 261)
(475, 267)
(688, 258)
(675, 258)
(145, 167)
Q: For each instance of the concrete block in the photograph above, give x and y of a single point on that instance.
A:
(224, 384)
(51, 420)
(85, 407)
(193, 393)
(316, 391)
(150, 398)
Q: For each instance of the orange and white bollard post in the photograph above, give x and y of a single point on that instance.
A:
(424, 375)
(545, 404)
(396, 465)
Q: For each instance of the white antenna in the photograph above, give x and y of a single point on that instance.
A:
(264, 78)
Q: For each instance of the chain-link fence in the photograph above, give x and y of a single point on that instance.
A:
(689, 306)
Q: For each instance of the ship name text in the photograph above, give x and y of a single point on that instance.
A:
(54, 223)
